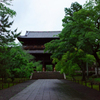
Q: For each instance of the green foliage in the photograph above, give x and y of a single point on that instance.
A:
(4, 9)
(70, 11)
(38, 65)
(88, 28)
(4, 70)
(71, 62)
(79, 40)
(64, 49)
(97, 79)
(6, 35)
(21, 65)
(39, 68)
(15, 62)
(49, 68)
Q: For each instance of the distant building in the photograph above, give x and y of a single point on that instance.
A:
(34, 41)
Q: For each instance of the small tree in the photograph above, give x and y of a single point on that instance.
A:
(20, 65)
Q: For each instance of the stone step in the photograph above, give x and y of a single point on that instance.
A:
(47, 75)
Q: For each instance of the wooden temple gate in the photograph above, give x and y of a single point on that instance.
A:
(33, 43)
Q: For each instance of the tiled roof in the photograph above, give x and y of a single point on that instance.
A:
(41, 34)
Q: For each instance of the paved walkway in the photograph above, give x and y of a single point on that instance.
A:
(49, 89)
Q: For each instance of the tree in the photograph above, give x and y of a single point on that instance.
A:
(81, 31)
(20, 62)
(6, 35)
(59, 48)
(70, 11)
(72, 62)
(15, 62)
(88, 28)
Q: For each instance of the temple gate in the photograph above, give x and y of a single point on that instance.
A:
(33, 42)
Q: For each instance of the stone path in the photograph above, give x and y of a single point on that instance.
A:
(49, 89)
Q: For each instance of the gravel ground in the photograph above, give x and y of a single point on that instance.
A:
(6, 94)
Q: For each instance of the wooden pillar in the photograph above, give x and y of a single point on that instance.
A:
(53, 67)
(44, 66)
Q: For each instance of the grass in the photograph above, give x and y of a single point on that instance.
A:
(96, 87)
(97, 79)
(9, 83)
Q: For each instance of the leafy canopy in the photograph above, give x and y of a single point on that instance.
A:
(81, 31)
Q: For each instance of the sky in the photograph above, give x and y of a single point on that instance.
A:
(40, 15)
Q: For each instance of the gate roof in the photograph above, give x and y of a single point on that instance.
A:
(41, 34)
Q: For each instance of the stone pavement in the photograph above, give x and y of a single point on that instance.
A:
(49, 89)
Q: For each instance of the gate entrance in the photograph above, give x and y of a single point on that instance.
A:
(33, 42)
(49, 68)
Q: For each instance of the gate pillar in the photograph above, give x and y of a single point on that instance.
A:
(44, 66)
(53, 67)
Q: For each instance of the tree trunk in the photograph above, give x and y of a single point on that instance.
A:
(97, 61)
(82, 66)
(97, 70)
(2, 78)
(83, 75)
(87, 69)
(73, 77)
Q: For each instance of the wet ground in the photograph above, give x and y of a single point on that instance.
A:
(49, 89)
